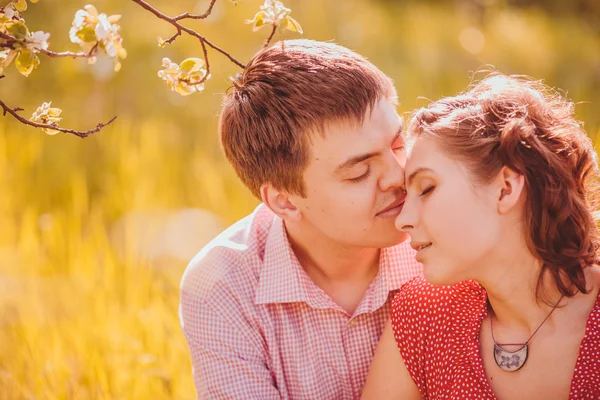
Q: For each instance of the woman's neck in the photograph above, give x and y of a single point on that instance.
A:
(510, 279)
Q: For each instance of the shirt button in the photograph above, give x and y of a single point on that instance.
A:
(352, 323)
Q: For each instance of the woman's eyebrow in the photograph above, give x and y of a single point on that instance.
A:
(413, 175)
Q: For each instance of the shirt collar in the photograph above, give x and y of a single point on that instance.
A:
(283, 280)
(388, 279)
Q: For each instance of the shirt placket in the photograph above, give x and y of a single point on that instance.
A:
(352, 391)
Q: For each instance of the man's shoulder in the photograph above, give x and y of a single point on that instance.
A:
(231, 259)
(403, 265)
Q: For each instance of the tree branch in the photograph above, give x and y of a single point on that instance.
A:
(81, 134)
(173, 21)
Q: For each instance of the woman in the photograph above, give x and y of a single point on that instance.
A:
(499, 209)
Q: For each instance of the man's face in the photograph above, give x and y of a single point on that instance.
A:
(354, 181)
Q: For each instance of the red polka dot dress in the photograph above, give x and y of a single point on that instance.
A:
(437, 331)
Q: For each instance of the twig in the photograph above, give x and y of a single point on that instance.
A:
(172, 38)
(65, 54)
(8, 37)
(207, 68)
(196, 16)
(270, 36)
(173, 21)
(81, 134)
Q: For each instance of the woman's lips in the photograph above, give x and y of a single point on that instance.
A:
(421, 250)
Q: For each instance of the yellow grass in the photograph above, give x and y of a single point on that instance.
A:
(80, 319)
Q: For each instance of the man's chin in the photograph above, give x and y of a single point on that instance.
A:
(390, 239)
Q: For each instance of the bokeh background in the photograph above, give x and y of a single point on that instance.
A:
(95, 233)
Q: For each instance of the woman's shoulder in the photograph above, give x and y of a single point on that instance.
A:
(420, 295)
(424, 307)
(425, 318)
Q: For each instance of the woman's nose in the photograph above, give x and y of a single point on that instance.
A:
(405, 221)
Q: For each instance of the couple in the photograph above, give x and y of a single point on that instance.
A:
(497, 298)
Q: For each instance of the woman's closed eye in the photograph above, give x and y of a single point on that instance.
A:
(427, 191)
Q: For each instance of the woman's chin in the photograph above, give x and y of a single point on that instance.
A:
(438, 276)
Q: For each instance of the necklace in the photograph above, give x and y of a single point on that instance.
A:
(511, 361)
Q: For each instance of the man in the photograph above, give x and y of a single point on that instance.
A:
(290, 301)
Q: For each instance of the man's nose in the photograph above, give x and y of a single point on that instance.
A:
(393, 177)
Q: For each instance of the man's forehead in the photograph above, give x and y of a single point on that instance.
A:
(339, 151)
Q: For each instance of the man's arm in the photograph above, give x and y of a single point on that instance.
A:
(228, 358)
(388, 377)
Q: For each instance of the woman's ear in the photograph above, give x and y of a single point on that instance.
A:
(280, 203)
(511, 185)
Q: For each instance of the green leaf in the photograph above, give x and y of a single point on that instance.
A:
(87, 34)
(54, 112)
(190, 64)
(17, 29)
(283, 24)
(293, 25)
(26, 61)
(258, 21)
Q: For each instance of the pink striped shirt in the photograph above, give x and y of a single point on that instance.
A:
(259, 328)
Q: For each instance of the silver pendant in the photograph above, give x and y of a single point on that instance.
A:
(510, 361)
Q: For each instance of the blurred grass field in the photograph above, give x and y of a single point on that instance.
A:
(82, 313)
(87, 311)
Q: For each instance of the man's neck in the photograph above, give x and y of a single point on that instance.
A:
(343, 272)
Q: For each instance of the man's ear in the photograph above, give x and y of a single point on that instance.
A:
(280, 203)
(511, 186)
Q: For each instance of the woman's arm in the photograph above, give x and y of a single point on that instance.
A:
(388, 377)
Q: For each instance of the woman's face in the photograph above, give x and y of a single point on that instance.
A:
(452, 219)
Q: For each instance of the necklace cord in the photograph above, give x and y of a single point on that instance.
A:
(534, 332)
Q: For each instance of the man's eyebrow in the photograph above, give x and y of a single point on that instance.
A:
(352, 161)
(413, 175)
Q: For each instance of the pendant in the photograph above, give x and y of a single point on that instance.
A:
(510, 361)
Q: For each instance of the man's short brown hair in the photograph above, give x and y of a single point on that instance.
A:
(287, 92)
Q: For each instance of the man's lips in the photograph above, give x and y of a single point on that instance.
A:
(393, 209)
